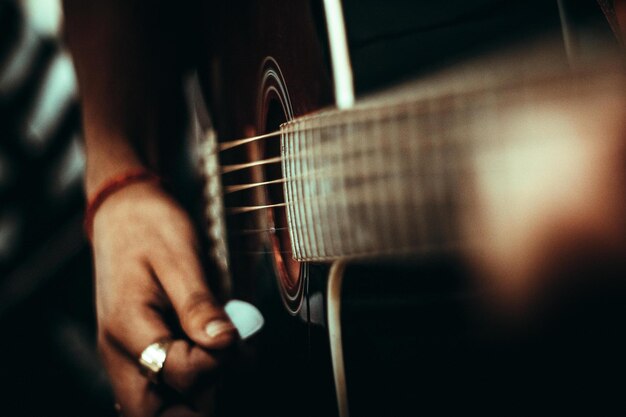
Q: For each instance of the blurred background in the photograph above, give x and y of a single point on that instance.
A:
(49, 364)
(48, 360)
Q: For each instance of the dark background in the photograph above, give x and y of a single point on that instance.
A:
(48, 360)
(49, 365)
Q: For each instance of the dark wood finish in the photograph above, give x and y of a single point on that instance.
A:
(288, 370)
(414, 344)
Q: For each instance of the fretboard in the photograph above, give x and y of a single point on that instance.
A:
(411, 172)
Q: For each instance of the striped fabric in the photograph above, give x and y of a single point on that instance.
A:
(41, 160)
(45, 293)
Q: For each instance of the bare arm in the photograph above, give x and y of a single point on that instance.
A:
(129, 67)
(145, 249)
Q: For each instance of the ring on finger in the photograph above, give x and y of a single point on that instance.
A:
(152, 359)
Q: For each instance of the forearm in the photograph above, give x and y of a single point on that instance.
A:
(129, 79)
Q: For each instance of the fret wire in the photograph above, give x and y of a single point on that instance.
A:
(419, 126)
(438, 161)
(318, 188)
(401, 210)
(287, 147)
(381, 163)
(305, 209)
(352, 164)
(434, 125)
(300, 190)
(451, 180)
(343, 214)
(310, 166)
(369, 210)
(322, 161)
(335, 241)
(431, 125)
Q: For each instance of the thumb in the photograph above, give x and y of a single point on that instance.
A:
(201, 317)
(204, 320)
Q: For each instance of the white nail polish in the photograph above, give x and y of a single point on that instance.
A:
(217, 327)
(247, 318)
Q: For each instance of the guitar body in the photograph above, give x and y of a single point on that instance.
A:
(278, 72)
(281, 71)
(412, 337)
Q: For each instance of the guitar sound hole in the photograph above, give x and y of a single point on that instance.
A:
(287, 269)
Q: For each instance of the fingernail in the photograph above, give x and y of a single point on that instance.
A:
(218, 327)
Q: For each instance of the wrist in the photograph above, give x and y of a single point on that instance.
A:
(112, 186)
(98, 172)
(108, 154)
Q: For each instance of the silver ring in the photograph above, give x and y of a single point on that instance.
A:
(152, 359)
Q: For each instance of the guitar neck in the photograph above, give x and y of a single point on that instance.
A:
(413, 172)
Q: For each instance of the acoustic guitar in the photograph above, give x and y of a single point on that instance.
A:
(342, 199)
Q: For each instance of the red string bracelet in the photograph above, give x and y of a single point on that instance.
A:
(111, 186)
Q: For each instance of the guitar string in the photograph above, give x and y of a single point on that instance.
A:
(270, 230)
(314, 122)
(224, 146)
(261, 252)
(256, 231)
(334, 119)
(414, 106)
(229, 189)
(279, 227)
(226, 169)
(240, 210)
(232, 144)
(326, 150)
(363, 118)
(326, 174)
(249, 209)
(314, 173)
(358, 199)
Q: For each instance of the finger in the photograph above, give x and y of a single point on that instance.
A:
(136, 396)
(134, 328)
(189, 368)
(186, 364)
(200, 315)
